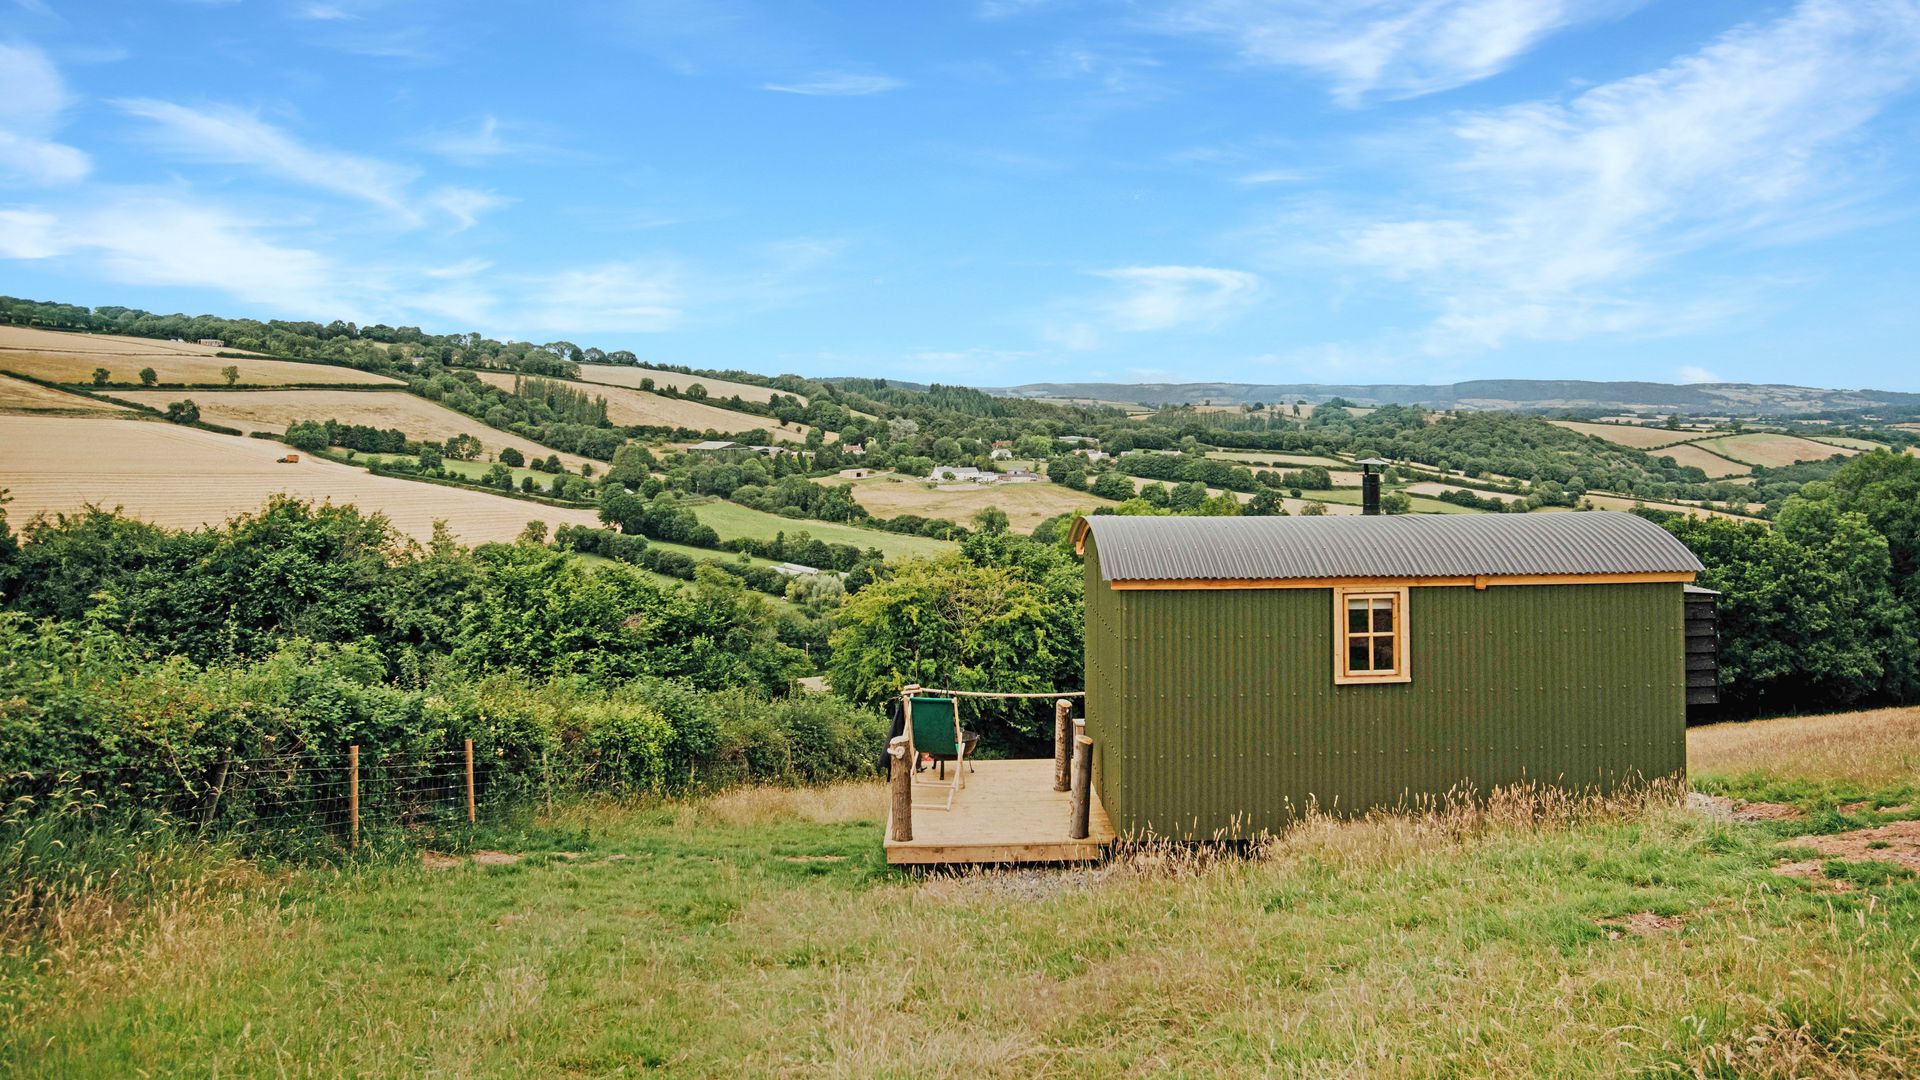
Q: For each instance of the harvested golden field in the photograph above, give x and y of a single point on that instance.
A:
(1691, 455)
(1881, 746)
(1772, 450)
(71, 358)
(1435, 487)
(1634, 435)
(19, 395)
(627, 406)
(1603, 501)
(1256, 459)
(273, 410)
(622, 375)
(1849, 443)
(1026, 505)
(184, 477)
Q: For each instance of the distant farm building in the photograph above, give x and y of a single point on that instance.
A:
(713, 446)
(967, 473)
(1242, 670)
(794, 569)
(211, 342)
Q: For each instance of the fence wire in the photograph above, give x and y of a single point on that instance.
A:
(285, 800)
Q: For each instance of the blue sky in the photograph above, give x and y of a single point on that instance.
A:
(1000, 191)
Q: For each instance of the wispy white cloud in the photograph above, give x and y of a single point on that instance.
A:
(465, 205)
(482, 142)
(837, 84)
(230, 136)
(1165, 297)
(1382, 48)
(1692, 374)
(1273, 176)
(642, 297)
(32, 99)
(1153, 298)
(162, 239)
(1545, 216)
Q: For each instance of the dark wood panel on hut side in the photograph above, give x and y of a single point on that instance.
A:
(1703, 648)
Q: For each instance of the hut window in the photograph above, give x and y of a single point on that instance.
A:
(1370, 635)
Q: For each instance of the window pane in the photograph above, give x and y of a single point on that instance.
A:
(1383, 616)
(1357, 654)
(1383, 654)
(1357, 616)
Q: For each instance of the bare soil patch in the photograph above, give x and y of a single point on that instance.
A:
(1639, 923)
(1896, 842)
(1815, 871)
(495, 858)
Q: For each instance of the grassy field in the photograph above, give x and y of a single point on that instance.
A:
(1026, 505)
(1421, 503)
(1603, 501)
(622, 375)
(626, 406)
(1849, 443)
(1634, 435)
(1258, 459)
(71, 358)
(1698, 457)
(19, 395)
(759, 933)
(184, 477)
(1772, 449)
(273, 410)
(733, 520)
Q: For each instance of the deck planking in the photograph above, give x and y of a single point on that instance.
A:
(1007, 813)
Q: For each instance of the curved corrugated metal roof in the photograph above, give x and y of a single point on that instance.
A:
(1397, 546)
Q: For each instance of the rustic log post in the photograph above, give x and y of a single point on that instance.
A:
(472, 816)
(1082, 787)
(1063, 745)
(353, 795)
(900, 778)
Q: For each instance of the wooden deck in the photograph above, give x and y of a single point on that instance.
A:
(1007, 813)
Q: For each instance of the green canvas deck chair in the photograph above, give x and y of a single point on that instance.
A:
(935, 722)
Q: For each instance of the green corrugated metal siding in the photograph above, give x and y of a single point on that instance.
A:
(1216, 707)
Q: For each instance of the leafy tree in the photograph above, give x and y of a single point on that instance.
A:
(1314, 509)
(101, 375)
(1112, 485)
(307, 435)
(1396, 502)
(430, 459)
(463, 447)
(231, 373)
(1004, 616)
(512, 457)
(990, 520)
(148, 376)
(183, 412)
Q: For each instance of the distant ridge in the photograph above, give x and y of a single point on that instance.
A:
(1743, 398)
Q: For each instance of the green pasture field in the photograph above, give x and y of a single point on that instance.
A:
(733, 520)
(760, 933)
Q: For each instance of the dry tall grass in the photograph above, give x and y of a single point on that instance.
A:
(1881, 746)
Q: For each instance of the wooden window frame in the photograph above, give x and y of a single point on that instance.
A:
(1402, 671)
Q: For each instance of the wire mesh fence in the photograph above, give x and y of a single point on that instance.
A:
(333, 797)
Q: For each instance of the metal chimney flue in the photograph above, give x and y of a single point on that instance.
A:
(1370, 469)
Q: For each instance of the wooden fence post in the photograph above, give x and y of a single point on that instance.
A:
(353, 795)
(1062, 745)
(471, 816)
(901, 780)
(1082, 784)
